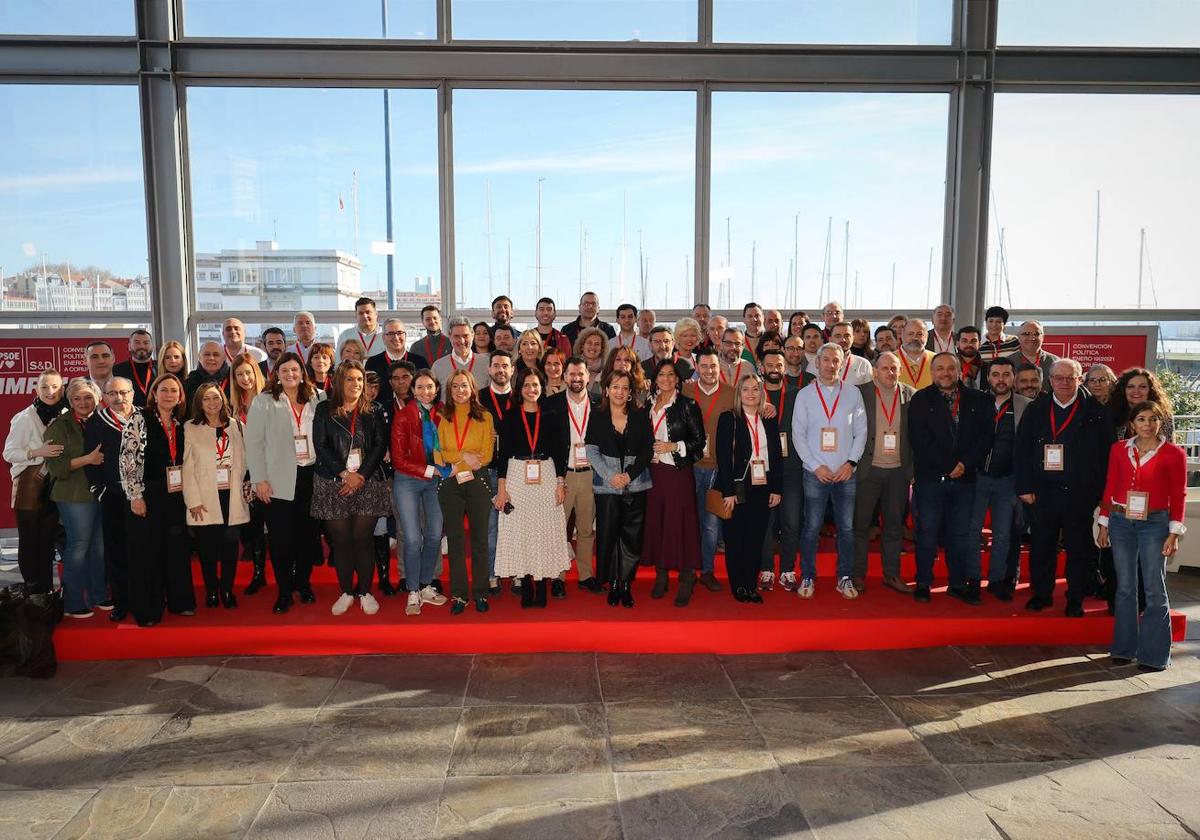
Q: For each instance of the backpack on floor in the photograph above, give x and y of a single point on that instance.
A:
(26, 632)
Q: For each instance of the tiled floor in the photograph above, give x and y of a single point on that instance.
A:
(939, 743)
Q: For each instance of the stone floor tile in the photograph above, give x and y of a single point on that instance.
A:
(887, 803)
(671, 677)
(535, 678)
(1172, 784)
(841, 731)
(732, 804)
(530, 807)
(802, 674)
(219, 748)
(38, 815)
(214, 813)
(1026, 668)
(514, 740)
(1139, 725)
(922, 671)
(23, 696)
(966, 729)
(1066, 801)
(270, 682)
(77, 752)
(376, 744)
(399, 809)
(402, 681)
(675, 735)
(133, 687)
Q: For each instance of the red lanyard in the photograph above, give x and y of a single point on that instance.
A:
(846, 369)
(1137, 465)
(499, 413)
(753, 429)
(966, 369)
(296, 414)
(367, 345)
(116, 420)
(908, 369)
(1037, 360)
(470, 367)
(954, 408)
(229, 355)
(169, 431)
(144, 387)
(353, 425)
(782, 400)
(941, 347)
(889, 416)
(242, 416)
(222, 443)
(711, 403)
(621, 343)
(459, 441)
(1054, 429)
(300, 351)
(736, 373)
(82, 422)
(224, 386)
(441, 345)
(580, 428)
(537, 429)
(829, 412)
(1003, 410)
(661, 418)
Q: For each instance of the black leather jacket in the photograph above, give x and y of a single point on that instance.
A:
(331, 442)
(684, 423)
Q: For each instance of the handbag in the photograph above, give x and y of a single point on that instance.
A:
(714, 501)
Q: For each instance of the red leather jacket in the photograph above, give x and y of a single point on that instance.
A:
(408, 444)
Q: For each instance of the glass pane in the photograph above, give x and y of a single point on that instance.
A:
(408, 19)
(833, 21)
(72, 203)
(66, 17)
(1094, 201)
(1099, 23)
(557, 192)
(290, 212)
(575, 20)
(827, 195)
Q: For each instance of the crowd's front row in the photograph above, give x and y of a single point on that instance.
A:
(660, 471)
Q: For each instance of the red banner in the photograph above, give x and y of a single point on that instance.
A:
(1119, 352)
(22, 360)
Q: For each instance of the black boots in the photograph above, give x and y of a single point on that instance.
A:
(614, 592)
(661, 580)
(260, 569)
(383, 561)
(527, 592)
(687, 581)
(539, 595)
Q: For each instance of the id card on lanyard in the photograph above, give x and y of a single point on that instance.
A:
(1137, 502)
(758, 467)
(891, 438)
(354, 459)
(1053, 453)
(829, 434)
(579, 450)
(174, 471)
(299, 440)
(223, 469)
(533, 467)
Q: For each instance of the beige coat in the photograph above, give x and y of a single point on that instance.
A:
(200, 474)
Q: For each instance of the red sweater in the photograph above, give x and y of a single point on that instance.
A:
(1163, 475)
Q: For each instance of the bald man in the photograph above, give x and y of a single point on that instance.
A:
(213, 367)
(234, 333)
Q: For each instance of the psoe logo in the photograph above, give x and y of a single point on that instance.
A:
(38, 359)
(12, 360)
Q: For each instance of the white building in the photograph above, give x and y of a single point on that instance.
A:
(51, 292)
(269, 279)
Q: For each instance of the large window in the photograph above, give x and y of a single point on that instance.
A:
(1099, 23)
(66, 17)
(1094, 201)
(72, 204)
(575, 20)
(560, 191)
(819, 196)
(411, 19)
(290, 198)
(833, 21)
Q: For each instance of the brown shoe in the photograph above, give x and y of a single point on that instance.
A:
(897, 583)
(860, 584)
(710, 582)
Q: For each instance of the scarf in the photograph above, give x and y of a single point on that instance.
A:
(46, 412)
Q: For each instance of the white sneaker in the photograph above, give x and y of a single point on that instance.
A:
(429, 595)
(846, 587)
(414, 603)
(368, 603)
(342, 604)
(807, 589)
(788, 581)
(766, 581)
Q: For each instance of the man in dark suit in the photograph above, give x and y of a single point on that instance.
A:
(950, 429)
(1061, 465)
(139, 367)
(884, 472)
(662, 344)
(394, 350)
(572, 409)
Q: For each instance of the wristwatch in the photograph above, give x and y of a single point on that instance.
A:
(852, 463)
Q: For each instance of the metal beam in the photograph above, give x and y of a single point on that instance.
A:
(703, 192)
(1163, 68)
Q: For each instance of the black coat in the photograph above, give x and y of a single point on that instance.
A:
(199, 376)
(684, 423)
(331, 442)
(557, 403)
(515, 443)
(379, 363)
(735, 449)
(142, 375)
(102, 430)
(937, 446)
(1085, 450)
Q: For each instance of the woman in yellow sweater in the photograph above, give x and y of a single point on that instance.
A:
(465, 437)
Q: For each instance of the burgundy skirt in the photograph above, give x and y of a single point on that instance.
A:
(672, 538)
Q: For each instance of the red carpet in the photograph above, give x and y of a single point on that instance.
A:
(713, 623)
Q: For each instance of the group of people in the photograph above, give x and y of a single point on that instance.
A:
(606, 447)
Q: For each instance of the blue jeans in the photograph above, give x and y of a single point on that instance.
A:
(1139, 543)
(791, 517)
(999, 494)
(943, 517)
(419, 515)
(83, 560)
(710, 525)
(816, 495)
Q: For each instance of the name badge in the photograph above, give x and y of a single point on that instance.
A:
(1137, 504)
(533, 472)
(890, 443)
(222, 475)
(300, 442)
(580, 456)
(495, 442)
(464, 476)
(829, 439)
(174, 479)
(1052, 457)
(783, 443)
(354, 460)
(758, 472)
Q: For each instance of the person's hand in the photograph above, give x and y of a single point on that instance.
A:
(1102, 537)
(768, 410)
(773, 500)
(351, 484)
(500, 500)
(263, 491)
(138, 506)
(197, 513)
(664, 447)
(824, 474)
(472, 461)
(844, 472)
(958, 471)
(95, 457)
(49, 450)
(1171, 545)
(729, 502)
(560, 494)
(1028, 498)
(619, 481)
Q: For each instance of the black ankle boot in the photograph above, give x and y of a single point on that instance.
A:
(527, 592)
(614, 593)
(260, 571)
(383, 561)
(626, 593)
(687, 580)
(661, 580)
(539, 594)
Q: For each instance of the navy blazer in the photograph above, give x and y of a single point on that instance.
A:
(937, 445)
(735, 449)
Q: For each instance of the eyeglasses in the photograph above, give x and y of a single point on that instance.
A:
(118, 393)
(1063, 378)
(395, 334)
(1030, 334)
(1092, 379)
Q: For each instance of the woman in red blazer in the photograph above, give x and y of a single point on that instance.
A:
(1141, 517)
(415, 490)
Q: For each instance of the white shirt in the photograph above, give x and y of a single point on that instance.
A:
(306, 429)
(300, 350)
(580, 412)
(372, 342)
(640, 345)
(940, 346)
(763, 450)
(255, 353)
(855, 370)
(661, 432)
(26, 433)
